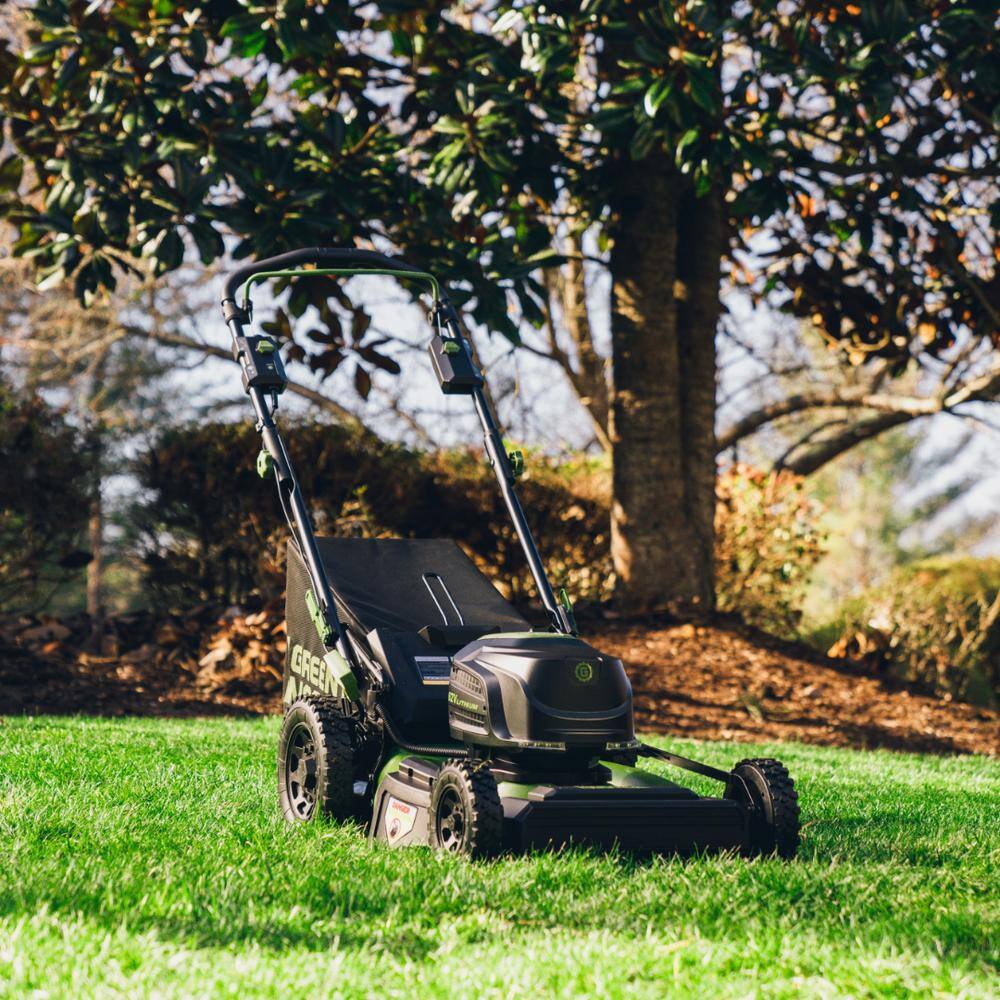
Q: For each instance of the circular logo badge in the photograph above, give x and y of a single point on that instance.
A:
(584, 672)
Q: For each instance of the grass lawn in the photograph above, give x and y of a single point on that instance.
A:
(147, 857)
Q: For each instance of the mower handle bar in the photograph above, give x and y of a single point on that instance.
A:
(311, 255)
(443, 312)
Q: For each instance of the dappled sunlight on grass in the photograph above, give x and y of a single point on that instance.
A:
(150, 855)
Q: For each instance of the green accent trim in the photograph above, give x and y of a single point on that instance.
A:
(391, 766)
(564, 599)
(265, 464)
(345, 676)
(346, 272)
(323, 627)
(454, 699)
(622, 776)
(266, 347)
(451, 347)
(516, 459)
(514, 790)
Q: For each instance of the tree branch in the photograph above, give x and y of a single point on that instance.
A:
(587, 380)
(823, 399)
(983, 388)
(314, 396)
(854, 435)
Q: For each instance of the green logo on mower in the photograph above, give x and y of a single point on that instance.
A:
(584, 672)
(309, 674)
(470, 706)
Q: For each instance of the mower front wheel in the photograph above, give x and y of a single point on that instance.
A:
(766, 787)
(466, 816)
(316, 762)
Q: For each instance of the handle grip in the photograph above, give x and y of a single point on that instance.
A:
(311, 255)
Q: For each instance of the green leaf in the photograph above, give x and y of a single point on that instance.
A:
(657, 94)
(643, 140)
(248, 37)
(252, 45)
(703, 88)
(209, 242)
(53, 278)
(11, 171)
(170, 251)
(689, 137)
(198, 44)
(652, 52)
(545, 258)
(38, 54)
(508, 21)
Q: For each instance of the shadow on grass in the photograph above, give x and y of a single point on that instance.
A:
(870, 871)
(322, 910)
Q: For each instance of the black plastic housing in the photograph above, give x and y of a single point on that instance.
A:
(261, 364)
(668, 819)
(453, 366)
(539, 692)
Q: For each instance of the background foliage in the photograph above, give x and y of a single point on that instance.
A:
(936, 621)
(210, 532)
(769, 536)
(209, 529)
(44, 499)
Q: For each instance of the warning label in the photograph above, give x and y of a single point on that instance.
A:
(399, 819)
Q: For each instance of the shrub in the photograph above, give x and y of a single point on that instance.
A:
(44, 500)
(767, 542)
(936, 622)
(210, 532)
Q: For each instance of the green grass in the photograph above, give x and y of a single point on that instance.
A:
(144, 857)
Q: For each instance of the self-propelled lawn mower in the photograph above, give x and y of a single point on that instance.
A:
(420, 701)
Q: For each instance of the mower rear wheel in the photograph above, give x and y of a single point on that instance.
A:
(774, 822)
(466, 816)
(316, 762)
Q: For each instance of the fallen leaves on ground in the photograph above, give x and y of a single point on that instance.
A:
(714, 679)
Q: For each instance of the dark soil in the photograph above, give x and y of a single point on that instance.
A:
(720, 681)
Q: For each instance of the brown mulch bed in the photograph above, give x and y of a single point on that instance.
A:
(728, 682)
(204, 662)
(718, 680)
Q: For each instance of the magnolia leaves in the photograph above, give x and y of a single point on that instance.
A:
(341, 332)
(466, 145)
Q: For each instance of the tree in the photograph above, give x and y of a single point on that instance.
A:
(839, 156)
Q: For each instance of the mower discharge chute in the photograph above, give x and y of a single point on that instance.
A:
(421, 702)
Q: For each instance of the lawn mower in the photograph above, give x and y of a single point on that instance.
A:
(421, 703)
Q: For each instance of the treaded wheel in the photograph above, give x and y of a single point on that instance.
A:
(774, 826)
(316, 761)
(465, 815)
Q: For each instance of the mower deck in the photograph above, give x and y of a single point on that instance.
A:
(635, 812)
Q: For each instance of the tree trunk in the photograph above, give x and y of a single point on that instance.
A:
(95, 568)
(665, 301)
